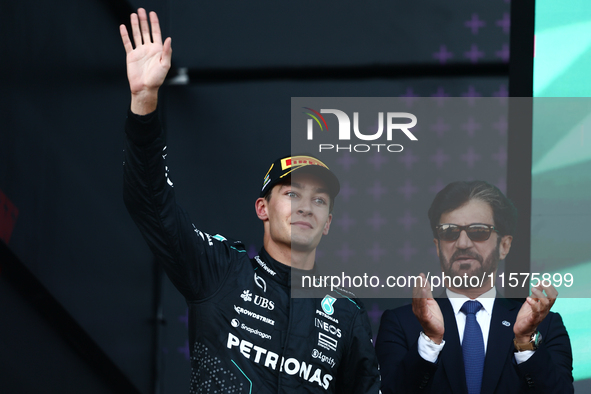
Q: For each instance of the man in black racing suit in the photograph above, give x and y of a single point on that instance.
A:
(246, 334)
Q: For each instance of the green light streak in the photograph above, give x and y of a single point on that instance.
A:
(574, 148)
(556, 51)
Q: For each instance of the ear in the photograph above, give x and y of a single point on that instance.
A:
(505, 246)
(260, 206)
(327, 224)
(436, 242)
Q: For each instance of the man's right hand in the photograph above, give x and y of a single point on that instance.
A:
(148, 63)
(427, 311)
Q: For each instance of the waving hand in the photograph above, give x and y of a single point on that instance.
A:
(148, 61)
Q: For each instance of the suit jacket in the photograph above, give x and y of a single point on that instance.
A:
(403, 370)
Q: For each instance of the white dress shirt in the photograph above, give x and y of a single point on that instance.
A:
(429, 351)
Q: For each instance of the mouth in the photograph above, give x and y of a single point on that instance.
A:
(302, 224)
(465, 262)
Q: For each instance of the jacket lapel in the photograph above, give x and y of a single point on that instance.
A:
(452, 358)
(500, 343)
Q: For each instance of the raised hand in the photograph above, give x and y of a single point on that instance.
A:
(533, 311)
(427, 311)
(147, 63)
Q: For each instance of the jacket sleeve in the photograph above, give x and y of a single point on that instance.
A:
(195, 262)
(403, 369)
(359, 372)
(550, 369)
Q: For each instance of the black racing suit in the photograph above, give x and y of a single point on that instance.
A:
(246, 334)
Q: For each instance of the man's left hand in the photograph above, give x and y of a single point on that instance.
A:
(533, 311)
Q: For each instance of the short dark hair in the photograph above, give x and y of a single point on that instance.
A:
(456, 194)
(287, 181)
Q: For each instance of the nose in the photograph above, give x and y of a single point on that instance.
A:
(463, 241)
(305, 212)
(302, 207)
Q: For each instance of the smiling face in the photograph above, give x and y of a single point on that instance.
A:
(296, 215)
(464, 256)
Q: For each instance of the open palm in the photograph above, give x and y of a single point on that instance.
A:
(149, 62)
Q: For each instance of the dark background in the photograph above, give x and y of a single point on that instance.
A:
(84, 308)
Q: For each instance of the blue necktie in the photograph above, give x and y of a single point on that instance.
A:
(473, 347)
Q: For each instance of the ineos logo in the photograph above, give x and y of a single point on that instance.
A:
(327, 327)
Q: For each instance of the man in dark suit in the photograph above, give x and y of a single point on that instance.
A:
(470, 340)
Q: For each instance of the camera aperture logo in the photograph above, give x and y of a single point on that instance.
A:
(394, 123)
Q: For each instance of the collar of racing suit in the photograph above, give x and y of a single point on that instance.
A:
(279, 272)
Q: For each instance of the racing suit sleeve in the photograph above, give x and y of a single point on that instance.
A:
(359, 372)
(195, 262)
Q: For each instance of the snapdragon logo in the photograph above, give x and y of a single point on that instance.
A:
(253, 331)
(391, 123)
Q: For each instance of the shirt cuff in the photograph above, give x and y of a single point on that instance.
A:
(142, 129)
(429, 350)
(523, 356)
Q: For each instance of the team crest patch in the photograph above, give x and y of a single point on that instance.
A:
(327, 304)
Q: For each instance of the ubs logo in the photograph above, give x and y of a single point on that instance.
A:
(258, 300)
(264, 302)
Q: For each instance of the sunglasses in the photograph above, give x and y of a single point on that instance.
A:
(476, 231)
